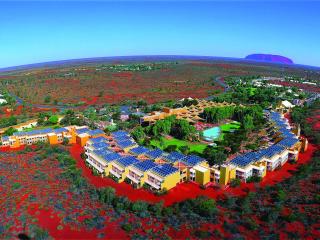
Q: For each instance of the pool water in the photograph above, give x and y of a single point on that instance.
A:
(211, 134)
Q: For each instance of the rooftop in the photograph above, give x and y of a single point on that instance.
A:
(164, 170)
(127, 161)
(175, 156)
(139, 150)
(145, 165)
(155, 153)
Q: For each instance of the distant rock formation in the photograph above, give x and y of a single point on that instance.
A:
(269, 58)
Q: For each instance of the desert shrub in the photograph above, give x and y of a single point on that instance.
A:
(254, 179)
(106, 195)
(202, 234)
(16, 186)
(161, 192)
(235, 182)
(36, 232)
(171, 148)
(206, 207)
(126, 227)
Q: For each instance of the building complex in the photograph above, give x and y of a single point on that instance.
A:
(118, 156)
(191, 113)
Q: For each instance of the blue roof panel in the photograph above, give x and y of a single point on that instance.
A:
(139, 150)
(155, 153)
(192, 160)
(127, 161)
(175, 156)
(145, 165)
(164, 170)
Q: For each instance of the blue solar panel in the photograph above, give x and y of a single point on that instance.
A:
(127, 161)
(175, 156)
(82, 130)
(126, 144)
(119, 134)
(139, 150)
(192, 160)
(5, 138)
(97, 139)
(164, 170)
(95, 132)
(281, 124)
(100, 145)
(241, 161)
(248, 158)
(19, 133)
(60, 130)
(145, 165)
(288, 142)
(34, 132)
(155, 153)
(122, 138)
(103, 153)
(111, 156)
(273, 150)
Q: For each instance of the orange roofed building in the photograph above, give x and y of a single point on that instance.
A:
(72, 134)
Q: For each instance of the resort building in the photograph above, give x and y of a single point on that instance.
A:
(191, 113)
(139, 152)
(84, 134)
(155, 154)
(52, 136)
(120, 168)
(138, 172)
(248, 165)
(99, 160)
(163, 177)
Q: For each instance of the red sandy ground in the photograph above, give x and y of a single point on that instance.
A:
(42, 212)
(185, 191)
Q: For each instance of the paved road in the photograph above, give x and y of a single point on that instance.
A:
(20, 101)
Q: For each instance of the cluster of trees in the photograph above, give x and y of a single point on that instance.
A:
(10, 131)
(178, 128)
(264, 96)
(248, 116)
(215, 155)
(47, 118)
(217, 114)
(298, 116)
(71, 118)
(7, 122)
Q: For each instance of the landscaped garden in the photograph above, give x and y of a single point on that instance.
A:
(217, 133)
(164, 142)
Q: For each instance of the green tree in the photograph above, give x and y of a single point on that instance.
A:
(184, 149)
(10, 131)
(248, 123)
(53, 119)
(207, 207)
(139, 135)
(47, 99)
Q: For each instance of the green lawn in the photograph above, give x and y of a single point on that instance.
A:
(194, 147)
(252, 91)
(41, 127)
(228, 127)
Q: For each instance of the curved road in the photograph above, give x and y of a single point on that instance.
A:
(20, 101)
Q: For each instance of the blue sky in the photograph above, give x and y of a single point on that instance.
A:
(32, 32)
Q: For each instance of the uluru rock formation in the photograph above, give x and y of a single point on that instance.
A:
(269, 58)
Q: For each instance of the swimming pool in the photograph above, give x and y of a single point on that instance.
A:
(211, 134)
